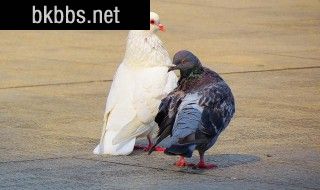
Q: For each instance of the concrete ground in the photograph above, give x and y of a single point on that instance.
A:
(53, 87)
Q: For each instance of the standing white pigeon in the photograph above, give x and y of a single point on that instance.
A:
(139, 84)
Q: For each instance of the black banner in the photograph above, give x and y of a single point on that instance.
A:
(75, 15)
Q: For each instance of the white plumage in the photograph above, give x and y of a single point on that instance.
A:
(139, 84)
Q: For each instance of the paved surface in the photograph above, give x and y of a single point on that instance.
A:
(53, 87)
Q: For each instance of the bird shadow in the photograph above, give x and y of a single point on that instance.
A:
(229, 160)
(223, 161)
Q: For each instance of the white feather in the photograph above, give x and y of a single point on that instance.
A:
(139, 84)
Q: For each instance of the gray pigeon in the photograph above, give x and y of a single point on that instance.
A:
(196, 112)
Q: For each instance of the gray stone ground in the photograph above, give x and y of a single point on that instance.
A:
(53, 87)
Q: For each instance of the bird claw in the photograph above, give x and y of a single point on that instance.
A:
(202, 165)
(147, 148)
(181, 164)
(159, 149)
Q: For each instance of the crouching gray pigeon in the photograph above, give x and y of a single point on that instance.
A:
(196, 112)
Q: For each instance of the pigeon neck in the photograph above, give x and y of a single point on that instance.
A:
(145, 49)
(192, 73)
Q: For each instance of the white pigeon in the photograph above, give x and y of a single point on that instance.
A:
(141, 81)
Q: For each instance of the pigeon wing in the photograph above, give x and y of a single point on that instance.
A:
(218, 103)
(147, 95)
(120, 87)
(167, 115)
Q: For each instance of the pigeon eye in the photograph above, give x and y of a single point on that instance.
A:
(152, 21)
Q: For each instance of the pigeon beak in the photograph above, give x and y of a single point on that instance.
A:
(161, 27)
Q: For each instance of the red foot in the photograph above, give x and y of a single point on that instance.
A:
(159, 149)
(182, 162)
(147, 148)
(202, 165)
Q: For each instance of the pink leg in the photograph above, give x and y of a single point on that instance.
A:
(203, 165)
(150, 144)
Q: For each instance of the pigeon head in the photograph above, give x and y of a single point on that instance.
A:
(155, 23)
(187, 63)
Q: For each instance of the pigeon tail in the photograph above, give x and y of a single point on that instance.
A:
(106, 146)
(132, 130)
(181, 150)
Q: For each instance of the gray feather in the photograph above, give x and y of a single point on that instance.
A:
(187, 119)
(206, 108)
